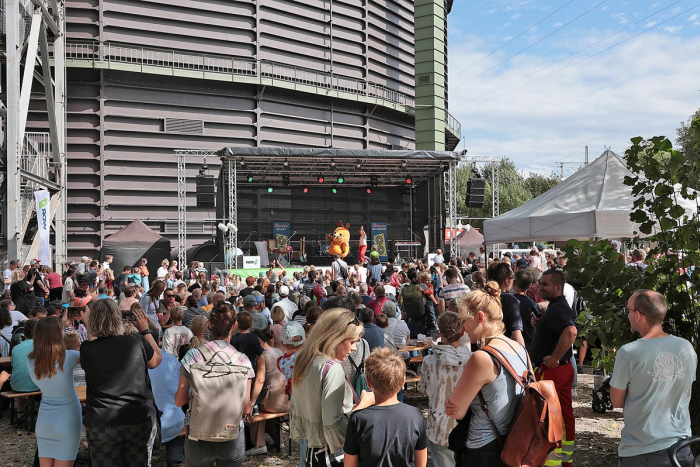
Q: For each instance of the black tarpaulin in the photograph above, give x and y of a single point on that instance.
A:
(133, 242)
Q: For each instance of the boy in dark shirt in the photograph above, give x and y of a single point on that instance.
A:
(388, 434)
(244, 341)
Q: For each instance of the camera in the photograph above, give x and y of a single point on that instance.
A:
(73, 312)
(128, 315)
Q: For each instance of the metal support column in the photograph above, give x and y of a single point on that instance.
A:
(181, 211)
(451, 181)
(232, 234)
(61, 133)
(14, 144)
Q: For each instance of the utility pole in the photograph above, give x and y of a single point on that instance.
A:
(586, 155)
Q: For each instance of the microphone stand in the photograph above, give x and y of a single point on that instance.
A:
(417, 239)
(246, 241)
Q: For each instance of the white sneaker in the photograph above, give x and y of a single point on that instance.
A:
(256, 451)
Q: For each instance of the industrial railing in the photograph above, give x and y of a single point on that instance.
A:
(453, 123)
(207, 63)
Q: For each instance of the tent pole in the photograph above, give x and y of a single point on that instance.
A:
(486, 260)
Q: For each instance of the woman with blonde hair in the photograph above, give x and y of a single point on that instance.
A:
(59, 424)
(482, 319)
(322, 399)
(199, 327)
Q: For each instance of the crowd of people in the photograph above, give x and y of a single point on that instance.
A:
(208, 352)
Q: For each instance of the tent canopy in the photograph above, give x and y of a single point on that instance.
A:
(469, 240)
(594, 202)
(133, 242)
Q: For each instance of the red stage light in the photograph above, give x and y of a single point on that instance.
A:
(306, 190)
(408, 180)
(369, 191)
(320, 179)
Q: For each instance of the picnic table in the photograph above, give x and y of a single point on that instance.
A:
(5, 361)
(413, 347)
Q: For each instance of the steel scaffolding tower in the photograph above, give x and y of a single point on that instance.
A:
(32, 160)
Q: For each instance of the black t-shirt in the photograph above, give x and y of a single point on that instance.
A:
(194, 286)
(24, 299)
(526, 307)
(386, 436)
(511, 314)
(248, 344)
(118, 387)
(549, 328)
(245, 292)
(38, 291)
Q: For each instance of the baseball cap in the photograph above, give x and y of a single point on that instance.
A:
(34, 261)
(522, 262)
(85, 258)
(249, 300)
(293, 334)
(507, 253)
(284, 291)
(258, 297)
(260, 321)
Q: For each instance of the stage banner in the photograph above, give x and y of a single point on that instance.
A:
(379, 238)
(43, 218)
(281, 232)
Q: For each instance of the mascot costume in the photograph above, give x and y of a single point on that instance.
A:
(339, 241)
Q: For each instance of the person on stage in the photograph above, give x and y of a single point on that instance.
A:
(363, 245)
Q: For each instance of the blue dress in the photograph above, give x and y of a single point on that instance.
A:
(59, 424)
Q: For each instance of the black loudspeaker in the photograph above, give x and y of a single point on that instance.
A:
(206, 191)
(475, 192)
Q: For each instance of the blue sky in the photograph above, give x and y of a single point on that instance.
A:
(516, 86)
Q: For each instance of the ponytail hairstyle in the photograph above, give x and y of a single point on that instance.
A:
(49, 349)
(488, 301)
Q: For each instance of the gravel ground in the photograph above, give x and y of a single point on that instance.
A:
(596, 439)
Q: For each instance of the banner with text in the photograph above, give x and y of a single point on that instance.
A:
(43, 218)
(379, 238)
(281, 232)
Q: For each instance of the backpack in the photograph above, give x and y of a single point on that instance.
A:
(359, 380)
(319, 293)
(412, 298)
(17, 336)
(218, 392)
(537, 425)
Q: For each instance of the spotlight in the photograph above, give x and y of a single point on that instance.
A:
(305, 190)
(334, 191)
(250, 178)
(358, 165)
(409, 180)
(232, 227)
(222, 227)
(341, 179)
(242, 163)
(374, 182)
(204, 168)
(285, 163)
(369, 191)
(269, 189)
(320, 179)
(332, 162)
(285, 180)
(403, 164)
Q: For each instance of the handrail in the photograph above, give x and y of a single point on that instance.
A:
(453, 123)
(181, 60)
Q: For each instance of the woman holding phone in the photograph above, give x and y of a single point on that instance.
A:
(59, 423)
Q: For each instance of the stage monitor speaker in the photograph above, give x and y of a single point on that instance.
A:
(475, 192)
(206, 191)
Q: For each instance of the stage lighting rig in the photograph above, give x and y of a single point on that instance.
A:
(321, 179)
(374, 182)
(285, 180)
(341, 179)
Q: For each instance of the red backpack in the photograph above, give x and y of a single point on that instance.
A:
(537, 425)
(319, 293)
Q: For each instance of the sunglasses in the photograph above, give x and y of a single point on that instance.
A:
(171, 296)
(355, 321)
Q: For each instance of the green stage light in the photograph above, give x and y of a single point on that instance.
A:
(250, 178)
(341, 179)
(269, 190)
(335, 191)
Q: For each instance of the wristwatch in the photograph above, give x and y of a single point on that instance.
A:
(145, 332)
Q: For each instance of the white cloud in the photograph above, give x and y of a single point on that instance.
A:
(621, 17)
(635, 89)
(558, 25)
(675, 10)
(604, 8)
(516, 16)
(696, 24)
(507, 38)
(694, 17)
(673, 29)
(655, 5)
(507, 25)
(545, 8)
(650, 24)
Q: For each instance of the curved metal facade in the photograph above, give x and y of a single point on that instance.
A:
(149, 77)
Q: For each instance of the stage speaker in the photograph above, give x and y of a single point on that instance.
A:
(475, 192)
(206, 191)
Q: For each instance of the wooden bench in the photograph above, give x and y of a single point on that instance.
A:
(418, 359)
(12, 395)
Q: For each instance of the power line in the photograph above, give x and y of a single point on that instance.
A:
(511, 40)
(528, 47)
(567, 57)
(586, 58)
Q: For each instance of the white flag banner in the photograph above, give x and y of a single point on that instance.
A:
(43, 217)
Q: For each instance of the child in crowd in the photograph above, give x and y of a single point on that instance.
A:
(366, 441)
(134, 277)
(244, 341)
(440, 373)
(177, 335)
(71, 340)
(428, 289)
(293, 338)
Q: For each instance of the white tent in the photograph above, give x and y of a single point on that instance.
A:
(594, 202)
(469, 240)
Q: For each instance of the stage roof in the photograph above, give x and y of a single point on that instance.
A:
(357, 166)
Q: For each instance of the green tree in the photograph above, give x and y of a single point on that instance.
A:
(688, 142)
(659, 184)
(537, 184)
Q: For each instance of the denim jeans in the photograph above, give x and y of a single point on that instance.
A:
(144, 284)
(209, 454)
(174, 450)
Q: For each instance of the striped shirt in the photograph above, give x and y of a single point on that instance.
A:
(451, 291)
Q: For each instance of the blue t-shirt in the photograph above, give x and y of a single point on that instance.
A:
(164, 381)
(21, 381)
(374, 336)
(658, 375)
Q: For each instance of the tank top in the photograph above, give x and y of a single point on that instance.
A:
(501, 397)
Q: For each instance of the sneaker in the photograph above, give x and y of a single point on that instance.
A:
(256, 451)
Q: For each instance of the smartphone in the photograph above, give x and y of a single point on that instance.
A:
(128, 315)
(74, 312)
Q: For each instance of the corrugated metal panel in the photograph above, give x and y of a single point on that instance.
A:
(183, 125)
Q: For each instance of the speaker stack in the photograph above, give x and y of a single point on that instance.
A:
(206, 191)
(475, 192)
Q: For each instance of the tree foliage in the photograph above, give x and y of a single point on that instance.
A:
(688, 142)
(514, 189)
(659, 185)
